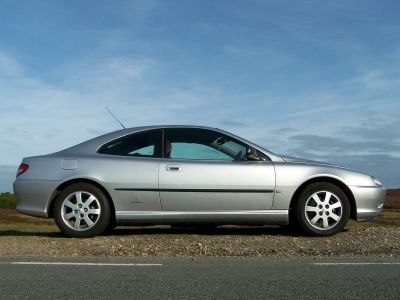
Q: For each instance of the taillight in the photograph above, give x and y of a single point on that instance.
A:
(22, 169)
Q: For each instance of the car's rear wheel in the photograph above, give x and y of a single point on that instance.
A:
(82, 210)
(323, 209)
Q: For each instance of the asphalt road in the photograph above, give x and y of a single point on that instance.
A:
(200, 278)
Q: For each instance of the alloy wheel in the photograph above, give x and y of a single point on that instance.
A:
(323, 210)
(80, 210)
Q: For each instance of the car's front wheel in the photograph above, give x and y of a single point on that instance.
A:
(82, 210)
(323, 209)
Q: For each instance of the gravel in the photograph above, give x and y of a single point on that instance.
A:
(365, 239)
(22, 235)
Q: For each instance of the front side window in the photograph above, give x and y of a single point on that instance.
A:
(201, 144)
(142, 144)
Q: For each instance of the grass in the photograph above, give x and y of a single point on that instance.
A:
(26, 229)
(7, 200)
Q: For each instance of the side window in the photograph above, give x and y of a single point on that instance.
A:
(196, 151)
(201, 144)
(146, 151)
(142, 144)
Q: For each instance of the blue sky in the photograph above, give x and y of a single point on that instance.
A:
(314, 79)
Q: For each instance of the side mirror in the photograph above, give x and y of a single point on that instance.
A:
(251, 154)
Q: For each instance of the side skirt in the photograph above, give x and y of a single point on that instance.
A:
(280, 217)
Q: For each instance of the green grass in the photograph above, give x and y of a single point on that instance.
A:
(7, 200)
(27, 229)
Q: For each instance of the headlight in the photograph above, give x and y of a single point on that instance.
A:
(376, 181)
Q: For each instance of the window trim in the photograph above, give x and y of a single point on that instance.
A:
(264, 156)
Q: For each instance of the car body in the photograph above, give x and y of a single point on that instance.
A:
(186, 175)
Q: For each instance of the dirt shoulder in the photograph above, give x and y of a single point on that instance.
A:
(27, 236)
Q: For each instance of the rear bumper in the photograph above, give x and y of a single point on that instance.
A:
(369, 201)
(33, 196)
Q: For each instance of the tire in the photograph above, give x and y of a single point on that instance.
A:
(110, 228)
(323, 209)
(82, 210)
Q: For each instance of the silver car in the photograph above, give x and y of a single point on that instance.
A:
(189, 175)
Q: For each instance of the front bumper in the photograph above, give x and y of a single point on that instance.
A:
(34, 196)
(369, 201)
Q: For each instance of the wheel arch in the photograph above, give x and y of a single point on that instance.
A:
(67, 183)
(321, 179)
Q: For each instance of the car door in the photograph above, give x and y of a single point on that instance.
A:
(205, 170)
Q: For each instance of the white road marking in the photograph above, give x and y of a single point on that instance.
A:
(43, 263)
(355, 264)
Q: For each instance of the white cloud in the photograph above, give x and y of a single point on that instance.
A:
(9, 67)
(39, 117)
(379, 79)
(105, 74)
(141, 7)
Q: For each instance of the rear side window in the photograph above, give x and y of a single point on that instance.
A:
(142, 144)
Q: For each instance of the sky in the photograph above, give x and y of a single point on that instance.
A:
(313, 79)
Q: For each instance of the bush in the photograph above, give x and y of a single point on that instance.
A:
(7, 200)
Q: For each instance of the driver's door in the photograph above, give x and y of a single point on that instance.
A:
(203, 170)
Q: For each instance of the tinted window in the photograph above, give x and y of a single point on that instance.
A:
(196, 151)
(143, 144)
(201, 144)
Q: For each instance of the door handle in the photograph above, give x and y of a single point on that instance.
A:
(173, 168)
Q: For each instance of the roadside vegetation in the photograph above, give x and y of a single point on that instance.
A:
(7, 200)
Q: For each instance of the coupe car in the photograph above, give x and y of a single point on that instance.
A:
(181, 175)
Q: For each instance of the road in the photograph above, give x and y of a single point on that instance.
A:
(200, 278)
